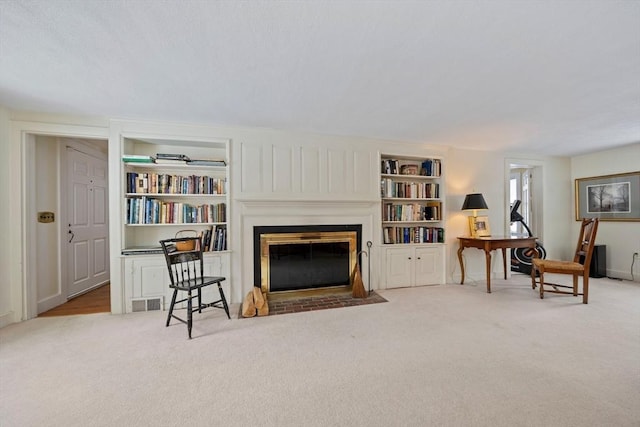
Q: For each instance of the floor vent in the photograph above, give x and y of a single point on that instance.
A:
(147, 304)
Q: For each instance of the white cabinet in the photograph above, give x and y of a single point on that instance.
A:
(147, 277)
(414, 266)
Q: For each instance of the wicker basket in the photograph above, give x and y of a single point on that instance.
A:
(188, 245)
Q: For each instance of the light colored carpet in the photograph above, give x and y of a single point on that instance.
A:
(434, 356)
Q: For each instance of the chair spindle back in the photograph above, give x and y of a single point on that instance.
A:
(183, 265)
(586, 241)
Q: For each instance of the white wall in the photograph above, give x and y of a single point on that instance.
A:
(47, 254)
(621, 238)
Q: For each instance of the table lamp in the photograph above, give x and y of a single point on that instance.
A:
(474, 202)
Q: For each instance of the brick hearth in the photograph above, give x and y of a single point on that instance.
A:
(295, 305)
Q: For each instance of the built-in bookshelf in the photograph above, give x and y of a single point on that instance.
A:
(171, 187)
(412, 221)
(410, 190)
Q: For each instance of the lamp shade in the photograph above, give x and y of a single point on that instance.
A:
(474, 201)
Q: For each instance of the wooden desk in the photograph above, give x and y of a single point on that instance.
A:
(491, 243)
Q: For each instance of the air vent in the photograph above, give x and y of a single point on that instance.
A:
(147, 304)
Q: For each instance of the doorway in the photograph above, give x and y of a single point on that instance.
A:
(525, 184)
(65, 267)
(524, 189)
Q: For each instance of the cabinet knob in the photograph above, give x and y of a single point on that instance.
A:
(419, 258)
(409, 257)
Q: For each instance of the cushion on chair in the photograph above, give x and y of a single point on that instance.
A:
(548, 264)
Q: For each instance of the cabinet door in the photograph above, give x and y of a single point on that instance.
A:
(399, 263)
(428, 266)
(150, 277)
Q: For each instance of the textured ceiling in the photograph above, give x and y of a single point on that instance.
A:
(545, 77)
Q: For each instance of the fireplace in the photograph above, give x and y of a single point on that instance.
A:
(291, 258)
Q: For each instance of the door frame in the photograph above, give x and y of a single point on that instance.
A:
(24, 288)
(537, 180)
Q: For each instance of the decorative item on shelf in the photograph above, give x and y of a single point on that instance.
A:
(478, 226)
(409, 169)
(188, 245)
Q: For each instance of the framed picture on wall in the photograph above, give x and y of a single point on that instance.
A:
(609, 197)
(479, 226)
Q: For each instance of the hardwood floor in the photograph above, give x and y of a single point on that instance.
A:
(96, 301)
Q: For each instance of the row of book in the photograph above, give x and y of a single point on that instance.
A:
(145, 210)
(214, 238)
(428, 167)
(171, 159)
(139, 182)
(414, 190)
(411, 212)
(397, 235)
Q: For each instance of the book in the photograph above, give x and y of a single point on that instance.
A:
(170, 162)
(140, 250)
(206, 162)
(137, 158)
(167, 156)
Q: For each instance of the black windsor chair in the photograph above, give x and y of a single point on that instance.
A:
(186, 272)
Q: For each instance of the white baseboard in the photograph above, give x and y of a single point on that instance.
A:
(6, 319)
(625, 275)
(50, 302)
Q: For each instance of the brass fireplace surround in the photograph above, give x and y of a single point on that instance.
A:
(268, 239)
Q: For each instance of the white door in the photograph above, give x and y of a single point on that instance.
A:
(88, 221)
(428, 266)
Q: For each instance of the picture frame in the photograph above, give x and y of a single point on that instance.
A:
(479, 226)
(608, 197)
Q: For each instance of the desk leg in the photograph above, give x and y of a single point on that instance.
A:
(461, 264)
(504, 262)
(487, 255)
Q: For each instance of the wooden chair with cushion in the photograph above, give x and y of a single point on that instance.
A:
(186, 272)
(578, 267)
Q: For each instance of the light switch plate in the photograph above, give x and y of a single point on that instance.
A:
(46, 217)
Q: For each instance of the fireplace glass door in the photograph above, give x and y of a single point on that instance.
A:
(308, 265)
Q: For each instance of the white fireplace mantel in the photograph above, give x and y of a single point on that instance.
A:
(252, 213)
